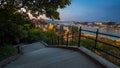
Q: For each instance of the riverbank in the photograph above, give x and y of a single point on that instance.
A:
(104, 39)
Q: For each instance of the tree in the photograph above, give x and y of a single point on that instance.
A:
(37, 7)
(110, 23)
(11, 26)
(12, 22)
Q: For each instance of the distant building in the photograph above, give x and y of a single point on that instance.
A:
(71, 23)
(57, 26)
(39, 23)
(66, 28)
(99, 24)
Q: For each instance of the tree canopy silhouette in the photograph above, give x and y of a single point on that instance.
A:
(38, 7)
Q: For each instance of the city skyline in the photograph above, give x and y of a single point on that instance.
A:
(91, 10)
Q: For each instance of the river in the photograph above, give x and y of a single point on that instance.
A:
(110, 31)
(104, 30)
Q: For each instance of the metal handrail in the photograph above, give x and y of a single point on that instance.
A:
(96, 39)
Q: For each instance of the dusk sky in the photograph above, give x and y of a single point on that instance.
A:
(91, 10)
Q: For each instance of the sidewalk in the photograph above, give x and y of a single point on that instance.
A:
(37, 55)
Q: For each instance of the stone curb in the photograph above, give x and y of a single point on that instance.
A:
(12, 58)
(8, 60)
(97, 58)
(44, 43)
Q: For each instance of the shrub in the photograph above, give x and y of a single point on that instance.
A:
(7, 51)
(33, 35)
(49, 35)
(12, 26)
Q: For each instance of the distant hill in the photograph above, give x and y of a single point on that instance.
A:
(50, 21)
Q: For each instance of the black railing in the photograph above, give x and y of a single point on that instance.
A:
(65, 40)
(97, 33)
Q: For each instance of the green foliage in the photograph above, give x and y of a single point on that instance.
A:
(16, 28)
(12, 27)
(87, 43)
(33, 35)
(13, 31)
(47, 7)
(14, 24)
(7, 51)
(49, 35)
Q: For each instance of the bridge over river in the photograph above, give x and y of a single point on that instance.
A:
(37, 55)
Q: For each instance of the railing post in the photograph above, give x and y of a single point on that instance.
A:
(67, 38)
(96, 39)
(18, 49)
(79, 40)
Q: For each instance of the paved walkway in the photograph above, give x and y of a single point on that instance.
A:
(37, 55)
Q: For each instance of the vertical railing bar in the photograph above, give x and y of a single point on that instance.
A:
(79, 40)
(62, 36)
(52, 40)
(72, 36)
(58, 40)
(67, 38)
(55, 40)
(62, 40)
(18, 49)
(96, 39)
